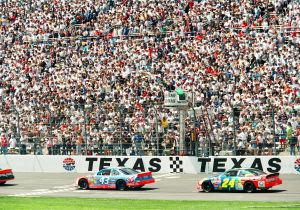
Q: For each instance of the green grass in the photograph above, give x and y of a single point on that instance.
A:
(52, 203)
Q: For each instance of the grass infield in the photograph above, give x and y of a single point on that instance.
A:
(49, 203)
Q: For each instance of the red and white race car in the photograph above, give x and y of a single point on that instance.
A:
(239, 179)
(115, 178)
(6, 175)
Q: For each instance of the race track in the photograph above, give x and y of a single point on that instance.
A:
(167, 187)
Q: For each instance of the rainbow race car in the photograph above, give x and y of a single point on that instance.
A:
(239, 179)
(6, 175)
(115, 178)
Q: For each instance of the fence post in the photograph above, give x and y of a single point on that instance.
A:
(18, 126)
(195, 133)
(156, 131)
(50, 124)
(273, 129)
(234, 132)
(85, 133)
(121, 136)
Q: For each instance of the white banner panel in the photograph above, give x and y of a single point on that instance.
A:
(159, 164)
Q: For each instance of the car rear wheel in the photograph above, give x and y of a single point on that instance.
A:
(121, 185)
(2, 183)
(207, 187)
(249, 187)
(83, 184)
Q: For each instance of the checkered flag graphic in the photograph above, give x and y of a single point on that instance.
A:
(176, 165)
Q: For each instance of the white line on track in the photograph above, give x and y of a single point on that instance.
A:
(40, 190)
(67, 188)
(63, 186)
(44, 192)
(80, 191)
(173, 177)
(164, 175)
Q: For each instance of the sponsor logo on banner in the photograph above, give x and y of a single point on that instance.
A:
(297, 165)
(95, 163)
(219, 164)
(69, 164)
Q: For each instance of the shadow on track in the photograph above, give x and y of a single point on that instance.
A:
(142, 189)
(8, 185)
(256, 192)
(129, 189)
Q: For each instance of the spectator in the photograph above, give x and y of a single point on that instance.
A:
(4, 144)
(298, 139)
(138, 140)
(49, 146)
(240, 148)
(79, 143)
(165, 124)
(12, 144)
(291, 139)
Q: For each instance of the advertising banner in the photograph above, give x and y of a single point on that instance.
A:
(156, 164)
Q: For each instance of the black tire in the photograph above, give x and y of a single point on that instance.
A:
(121, 185)
(249, 187)
(2, 183)
(83, 184)
(207, 187)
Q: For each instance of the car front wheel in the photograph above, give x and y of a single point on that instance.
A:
(2, 183)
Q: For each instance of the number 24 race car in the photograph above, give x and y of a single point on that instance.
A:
(115, 178)
(247, 180)
(6, 175)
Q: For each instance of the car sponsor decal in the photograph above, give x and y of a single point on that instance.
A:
(228, 183)
(261, 184)
(103, 181)
(238, 184)
(129, 179)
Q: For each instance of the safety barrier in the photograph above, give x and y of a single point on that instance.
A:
(159, 164)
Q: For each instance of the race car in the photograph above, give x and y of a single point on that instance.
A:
(239, 179)
(6, 175)
(115, 178)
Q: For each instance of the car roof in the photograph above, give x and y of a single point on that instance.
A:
(243, 169)
(114, 168)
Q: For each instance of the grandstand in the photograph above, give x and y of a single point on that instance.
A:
(89, 77)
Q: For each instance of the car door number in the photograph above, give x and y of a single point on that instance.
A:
(104, 180)
(228, 182)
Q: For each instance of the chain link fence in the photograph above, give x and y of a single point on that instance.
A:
(114, 129)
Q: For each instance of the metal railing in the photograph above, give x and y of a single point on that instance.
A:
(99, 130)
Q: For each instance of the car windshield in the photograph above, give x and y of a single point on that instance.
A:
(128, 171)
(256, 172)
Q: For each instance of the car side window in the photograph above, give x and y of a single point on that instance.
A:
(115, 173)
(231, 173)
(104, 172)
(242, 173)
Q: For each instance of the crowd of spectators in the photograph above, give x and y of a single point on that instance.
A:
(92, 74)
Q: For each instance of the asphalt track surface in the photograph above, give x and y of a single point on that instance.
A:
(167, 187)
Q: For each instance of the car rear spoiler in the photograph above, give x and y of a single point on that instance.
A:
(274, 174)
(5, 171)
(145, 174)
